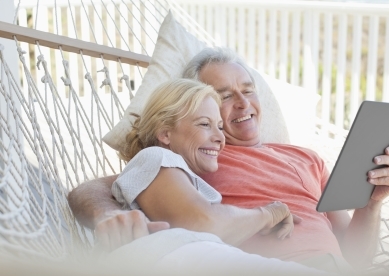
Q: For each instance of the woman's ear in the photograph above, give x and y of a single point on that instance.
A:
(163, 137)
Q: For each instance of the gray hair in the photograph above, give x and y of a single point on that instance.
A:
(213, 55)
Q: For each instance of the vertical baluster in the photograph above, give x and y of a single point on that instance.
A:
(327, 70)
(356, 67)
(58, 58)
(372, 59)
(307, 65)
(137, 46)
(114, 36)
(341, 71)
(295, 70)
(315, 50)
(241, 31)
(22, 15)
(272, 43)
(284, 45)
(73, 58)
(262, 40)
(251, 37)
(385, 92)
(231, 27)
(123, 45)
(85, 35)
(210, 17)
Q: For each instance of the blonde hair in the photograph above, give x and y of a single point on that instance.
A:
(170, 102)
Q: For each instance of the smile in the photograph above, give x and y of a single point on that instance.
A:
(210, 152)
(245, 118)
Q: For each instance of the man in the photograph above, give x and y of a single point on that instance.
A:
(251, 174)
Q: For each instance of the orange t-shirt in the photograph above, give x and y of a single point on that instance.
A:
(251, 177)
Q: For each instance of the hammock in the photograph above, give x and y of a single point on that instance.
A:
(52, 121)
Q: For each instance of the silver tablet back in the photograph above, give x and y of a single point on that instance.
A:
(347, 187)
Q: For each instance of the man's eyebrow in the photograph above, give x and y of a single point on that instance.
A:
(226, 88)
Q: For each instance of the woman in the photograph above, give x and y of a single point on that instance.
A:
(177, 137)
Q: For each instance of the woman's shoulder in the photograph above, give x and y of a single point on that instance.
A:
(152, 157)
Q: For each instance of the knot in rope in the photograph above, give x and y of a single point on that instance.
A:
(41, 59)
(105, 70)
(125, 77)
(45, 79)
(21, 51)
(88, 76)
(105, 82)
(66, 81)
(127, 80)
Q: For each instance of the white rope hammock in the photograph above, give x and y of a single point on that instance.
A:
(51, 126)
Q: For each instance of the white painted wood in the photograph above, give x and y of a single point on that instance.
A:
(272, 43)
(112, 65)
(307, 51)
(210, 20)
(295, 69)
(385, 92)
(262, 41)
(284, 46)
(251, 38)
(241, 21)
(327, 70)
(22, 16)
(85, 34)
(125, 32)
(315, 51)
(58, 57)
(356, 67)
(341, 70)
(137, 47)
(231, 27)
(372, 59)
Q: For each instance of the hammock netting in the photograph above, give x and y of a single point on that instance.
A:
(54, 115)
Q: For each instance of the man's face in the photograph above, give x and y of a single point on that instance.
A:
(240, 111)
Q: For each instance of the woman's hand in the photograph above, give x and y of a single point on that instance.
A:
(279, 219)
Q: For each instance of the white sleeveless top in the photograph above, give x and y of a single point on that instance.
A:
(144, 167)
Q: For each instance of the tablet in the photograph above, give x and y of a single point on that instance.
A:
(347, 186)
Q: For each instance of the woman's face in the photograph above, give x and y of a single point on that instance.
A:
(198, 138)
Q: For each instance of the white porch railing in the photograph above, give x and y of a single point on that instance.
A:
(339, 50)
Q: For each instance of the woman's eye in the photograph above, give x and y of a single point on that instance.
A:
(220, 128)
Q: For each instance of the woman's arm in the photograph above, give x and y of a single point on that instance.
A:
(171, 197)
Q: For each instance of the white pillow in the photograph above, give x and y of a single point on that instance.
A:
(175, 47)
(298, 105)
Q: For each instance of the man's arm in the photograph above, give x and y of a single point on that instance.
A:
(358, 237)
(92, 201)
(93, 206)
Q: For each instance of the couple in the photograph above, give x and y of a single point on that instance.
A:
(250, 175)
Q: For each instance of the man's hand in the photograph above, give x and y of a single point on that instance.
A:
(280, 220)
(120, 227)
(380, 177)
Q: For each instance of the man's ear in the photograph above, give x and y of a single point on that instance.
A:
(163, 137)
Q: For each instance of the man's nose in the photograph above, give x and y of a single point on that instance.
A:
(241, 101)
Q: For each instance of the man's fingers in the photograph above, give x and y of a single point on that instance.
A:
(384, 181)
(157, 226)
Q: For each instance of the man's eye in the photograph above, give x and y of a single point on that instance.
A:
(248, 92)
(221, 128)
(204, 124)
(224, 97)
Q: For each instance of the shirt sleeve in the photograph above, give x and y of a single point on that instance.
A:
(140, 172)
